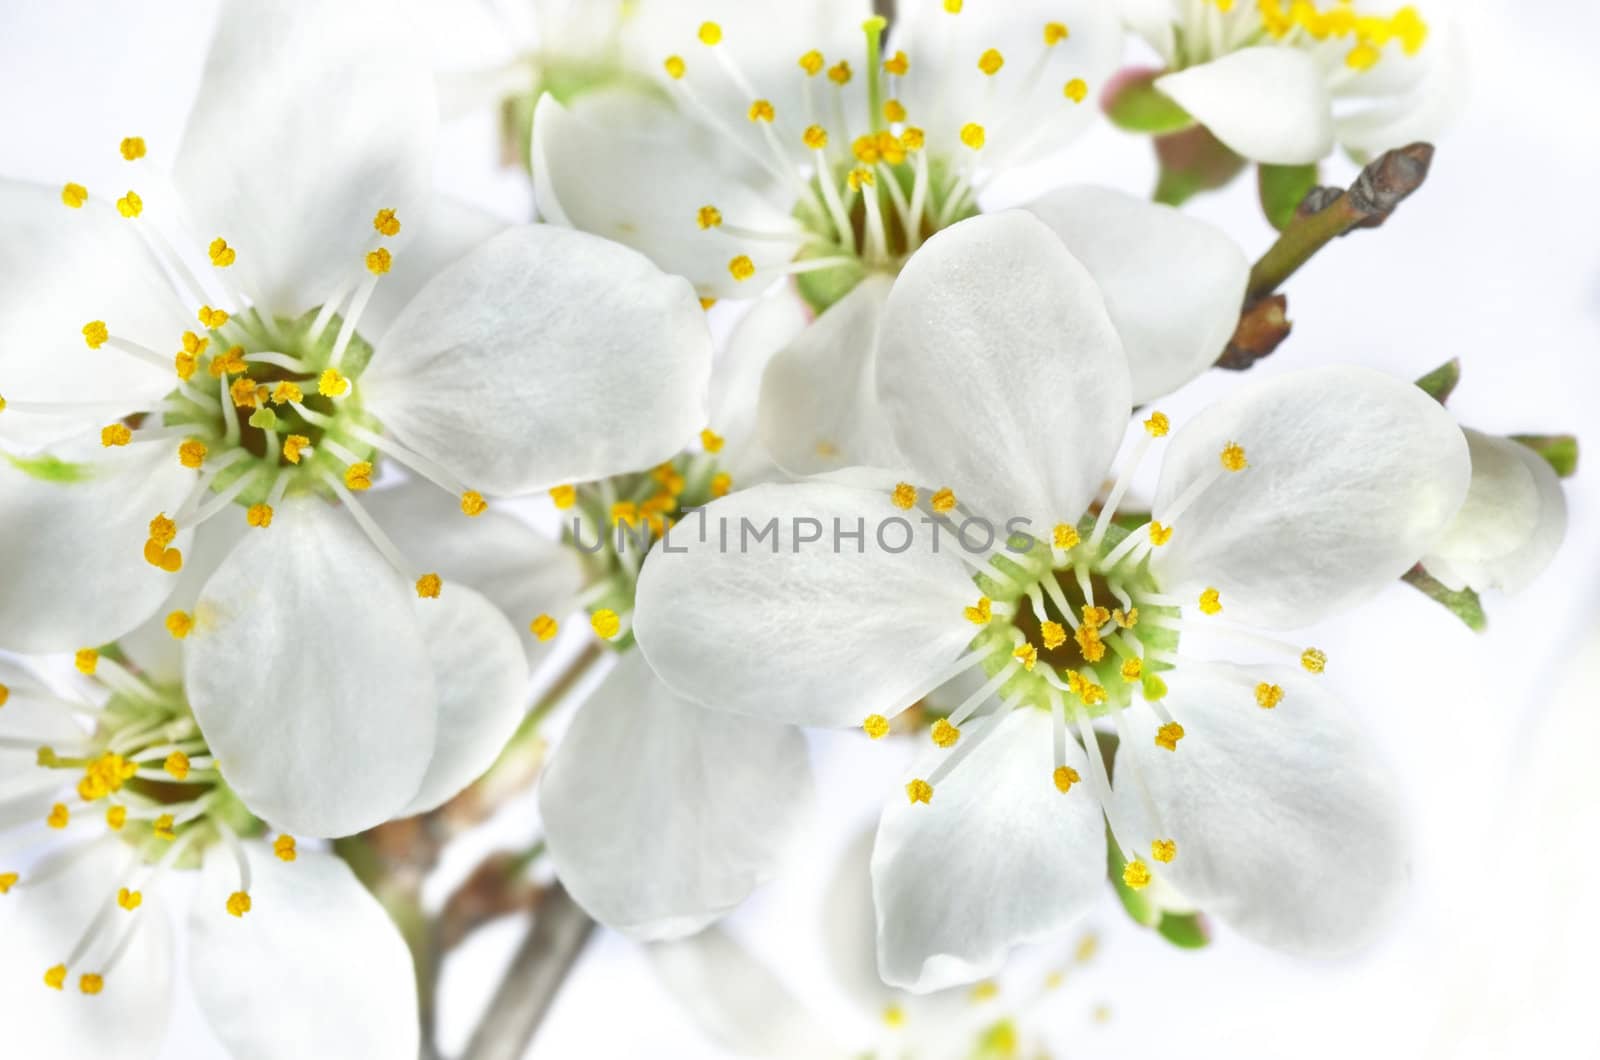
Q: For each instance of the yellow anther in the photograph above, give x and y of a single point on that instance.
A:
(840, 73)
(894, 111)
(624, 512)
(55, 977)
(132, 148)
(1313, 660)
(1029, 656)
(897, 64)
(675, 67)
(5, 695)
(1211, 602)
(1055, 33)
(358, 476)
(860, 177)
(59, 816)
(1233, 457)
(944, 501)
(741, 268)
(180, 624)
(710, 34)
(238, 904)
(913, 139)
(953, 6)
(429, 586)
(762, 110)
(286, 393)
(163, 531)
(606, 623)
(711, 441)
(1362, 57)
(1268, 696)
(721, 484)
(96, 334)
(244, 393)
(86, 660)
(165, 828)
(380, 261)
(980, 613)
(74, 195)
(1087, 948)
(1089, 643)
(944, 734)
(473, 504)
(564, 497)
(876, 726)
(129, 900)
(387, 222)
(1132, 670)
(1095, 616)
(229, 362)
(708, 217)
(973, 135)
(91, 984)
(285, 849)
(130, 205)
(171, 561)
(1126, 619)
(177, 765)
(117, 434)
(1064, 536)
(1163, 850)
(331, 384)
(865, 148)
(192, 453)
(259, 516)
(221, 254)
(815, 137)
(544, 627)
(1076, 90)
(212, 318)
(8, 880)
(812, 63)
(1054, 634)
(1136, 874)
(116, 817)
(1168, 735)
(985, 991)
(894, 1016)
(904, 496)
(1157, 426)
(919, 791)
(1160, 535)
(1065, 777)
(991, 61)
(294, 447)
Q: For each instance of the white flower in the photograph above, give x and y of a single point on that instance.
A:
(316, 350)
(1008, 392)
(1511, 525)
(1283, 81)
(111, 788)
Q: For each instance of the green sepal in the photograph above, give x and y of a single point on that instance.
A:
(1283, 189)
(1188, 931)
(1440, 383)
(1559, 450)
(1135, 104)
(1193, 161)
(1465, 604)
(51, 469)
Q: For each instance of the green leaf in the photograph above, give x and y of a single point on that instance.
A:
(1440, 383)
(1282, 189)
(1136, 105)
(1465, 605)
(1187, 931)
(1561, 450)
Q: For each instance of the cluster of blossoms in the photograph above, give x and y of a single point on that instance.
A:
(261, 407)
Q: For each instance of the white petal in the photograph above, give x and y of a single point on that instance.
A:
(1023, 108)
(739, 1002)
(31, 713)
(1000, 372)
(447, 233)
(1269, 104)
(1438, 93)
(644, 188)
(1353, 475)
(482, 678)
(1154, 21)
(1173, 285)
(73, 563)
(310, 119)
(151, 648)
(818, 400)
(310, 677)
(129, 1017)
(59, 270)
(768, 328)
(661, 816)
(1288, 828)
(544, 357)
(999, 857)
(316, 968)
(1511, 525)
(805, 633)
(521, 571)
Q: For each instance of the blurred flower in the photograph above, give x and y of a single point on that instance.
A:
(504, 366)
(1283, 81)
(1297, 498)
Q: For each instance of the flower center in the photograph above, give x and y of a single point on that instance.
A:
(1222, 26)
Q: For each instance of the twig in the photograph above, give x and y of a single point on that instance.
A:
(560, 930)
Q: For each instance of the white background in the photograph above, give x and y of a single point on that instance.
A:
(1497, 262)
